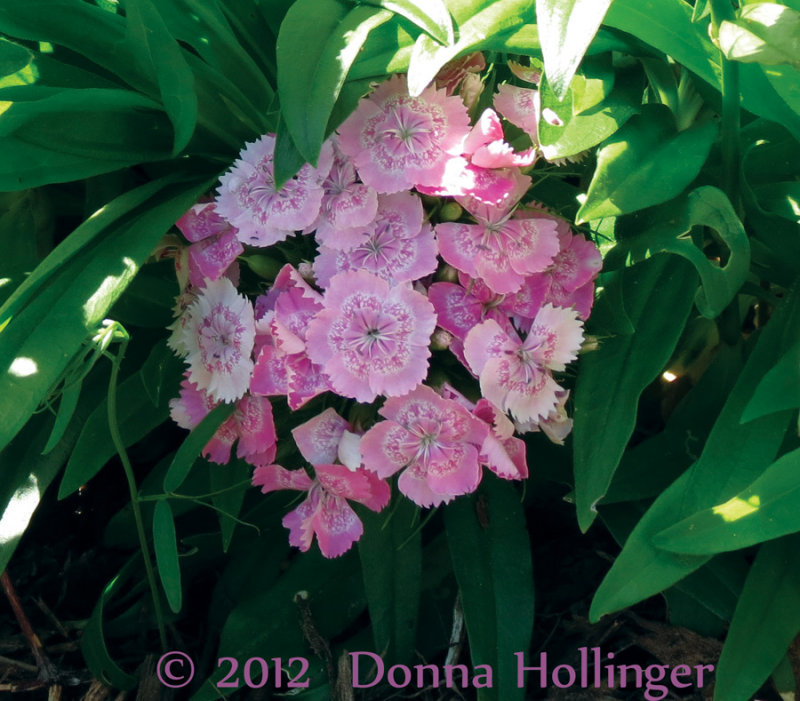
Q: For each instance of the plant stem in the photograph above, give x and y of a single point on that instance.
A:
(116, 438)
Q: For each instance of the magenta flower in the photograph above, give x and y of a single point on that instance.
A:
(434, 440)
(515, 375)
(218, 333)
(499, 250)
(264, 215)
(215, 245)
(371, 338)
(397, 141)
(396, 246)
(251, 424)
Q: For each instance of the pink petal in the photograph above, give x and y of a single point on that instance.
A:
(300, 522)
(336, 525)
(455, 471)
(386, 448)
(269, 374)
(201, 222)
(211, 257)
(520, 106)
(555, 337)
(256, 428)
(414, 484)
(318, 438)
(272, 478)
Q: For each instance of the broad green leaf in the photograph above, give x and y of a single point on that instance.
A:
(391, 563)
(137, 417)
(734, 456)
(782, 199)
(161, 56)
(313, 61)
(779, 390)
(39, 339)
(766, 620)
(13, 57)
(668, 229)
(165, 545)
(766, 509)
(161, 374)
(645, 163)
(431, 16)
(490, 549)
(193, 444)
(478, 22)
(763, 32)
(569, 128)
(93, 642)
(565, 30)
(658, 296)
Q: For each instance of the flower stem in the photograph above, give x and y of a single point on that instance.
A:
(116, 438)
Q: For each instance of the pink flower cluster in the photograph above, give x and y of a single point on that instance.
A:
(506, 288)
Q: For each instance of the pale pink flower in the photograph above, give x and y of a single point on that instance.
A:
(251, 424)
(219, 333)
(347, 205)
(328, 438)
(397, 141)
(436, 440)
(396, 246)
(262, 214)
(371, 339)
(325, 511)
(515, 374)
(461, 76)
(557, 425)
(521, 107)
(499, 250)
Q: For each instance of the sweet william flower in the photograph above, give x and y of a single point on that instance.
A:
(371, 339)
(435, 441)
(218, 333)
(397, 141)
(515, 374)
(263, 214)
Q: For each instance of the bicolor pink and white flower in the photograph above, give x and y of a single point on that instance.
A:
(371, 339)
(397, 141)
(263, 214)
(499, 250)
(435, 441)
(396, 246)
(515, 374)
(218, 334)
(251, 424)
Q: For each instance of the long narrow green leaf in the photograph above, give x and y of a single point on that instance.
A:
(391, 563)
(766, 620)
(313, 61)
(490, 548)
(779, 390)
(431, 16)
(658, 297)
(766, 509)
(566, 29)
(165, 545)
(733, 457)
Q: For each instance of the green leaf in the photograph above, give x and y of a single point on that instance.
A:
(490, 549)
(766, 620)
(734, 455)
(137, 417)
(768, 508)
(431, 16)
(66, 408)
(763, 32)
(779, 390)
(313, 61)
(668, 229)
(161, 57)
(165, 544)
(658, 297)
(565, 30)
(479, 23)
(645, 163)
(193, 444)
(782, 199)
(391, 563)
(93, 643)
(578, 128)
(229, 502)
(47, 319)
(13, 57)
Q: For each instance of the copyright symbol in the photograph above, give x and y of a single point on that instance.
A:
(175, 669)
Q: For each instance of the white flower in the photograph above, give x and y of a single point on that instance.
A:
(219, 334)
